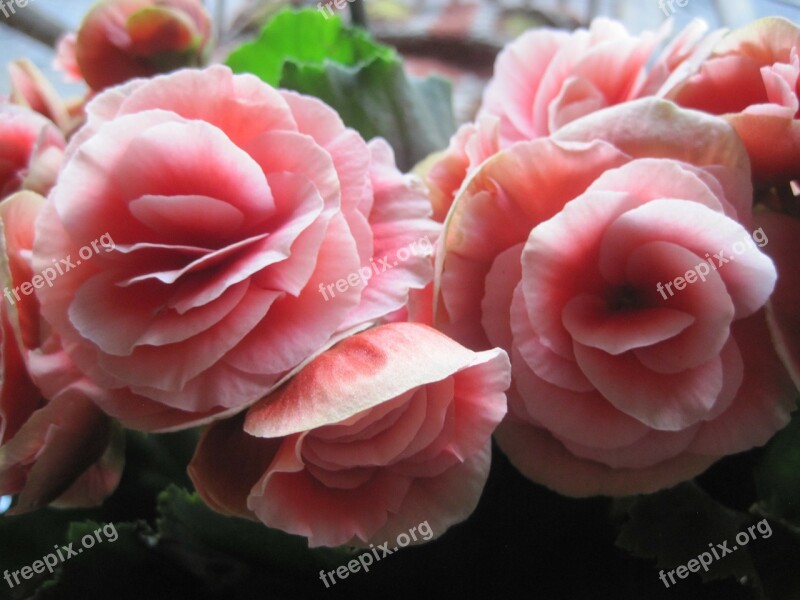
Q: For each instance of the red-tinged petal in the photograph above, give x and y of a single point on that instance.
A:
(357, 374)
(223, 445)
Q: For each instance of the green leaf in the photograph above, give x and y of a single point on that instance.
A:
(26, 538)
(777, 475)
(132, 566)
(185, 519)
(364, 81)
(677, 525)
(305, 38)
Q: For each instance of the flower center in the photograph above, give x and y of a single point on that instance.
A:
(624, 298)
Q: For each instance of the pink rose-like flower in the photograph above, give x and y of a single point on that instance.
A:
(751, 78)
(56, 446)
(389, 428)
(547, 78)
(120, 40)
(231, 206)
(31, 150)
(558, 250)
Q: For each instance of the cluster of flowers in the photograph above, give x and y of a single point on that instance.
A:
(586, 179)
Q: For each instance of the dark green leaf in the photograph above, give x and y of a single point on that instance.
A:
(187, 520)
(679, 524)
(308, 39)
(364, 81)
(777, 475)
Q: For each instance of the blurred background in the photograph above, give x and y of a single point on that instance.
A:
(457, 39)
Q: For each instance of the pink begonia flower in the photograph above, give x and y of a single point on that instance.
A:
(120, 40)
(31, 150)
(56, 446)
(547, 78)
(389, 428)
(234, 209)
(555, 250)
(751, 78)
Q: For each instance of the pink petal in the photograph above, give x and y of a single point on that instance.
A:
(440, 502)
(288, 497)
(763, 403)
(587, 417)
(357, 374)
(541, 458)
(222, 445)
